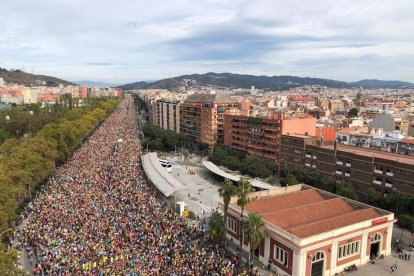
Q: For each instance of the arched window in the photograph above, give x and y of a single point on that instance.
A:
(377, 237)
(318, 257)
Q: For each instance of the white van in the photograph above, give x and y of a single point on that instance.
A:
(166, 164)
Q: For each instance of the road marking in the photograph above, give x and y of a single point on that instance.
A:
(207, 208)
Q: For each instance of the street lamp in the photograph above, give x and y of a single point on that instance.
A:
(7, 230)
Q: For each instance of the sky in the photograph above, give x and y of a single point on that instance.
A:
(131, 40)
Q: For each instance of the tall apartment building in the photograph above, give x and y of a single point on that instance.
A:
(201, 117)
(366, 168)
(260, 136)
(168, 114)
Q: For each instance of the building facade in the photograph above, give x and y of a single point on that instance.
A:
(261, 136)
(310, 232)
(386, 172)
(168, 114)
(202, 117)
(256, 136)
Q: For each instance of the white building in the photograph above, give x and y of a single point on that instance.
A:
(312, 232)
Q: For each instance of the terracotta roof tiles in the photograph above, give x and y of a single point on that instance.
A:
(306, 213)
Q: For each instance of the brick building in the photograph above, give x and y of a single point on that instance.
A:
(260, 136)
(313, 232)
(201, 117)
(366, 168)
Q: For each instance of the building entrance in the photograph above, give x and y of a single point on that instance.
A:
(317, 264)
(375, 246)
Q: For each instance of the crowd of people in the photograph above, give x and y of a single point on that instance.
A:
(99, 216)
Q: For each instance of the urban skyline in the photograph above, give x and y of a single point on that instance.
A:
(132, 41)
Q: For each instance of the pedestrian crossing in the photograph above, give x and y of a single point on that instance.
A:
(207, 208)
(177, 166)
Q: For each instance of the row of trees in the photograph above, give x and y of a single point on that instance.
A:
(342, 188)
(402, 205)
(155, 138)
(253, 166)
(251, 229)
(28, 162)
(19, 121)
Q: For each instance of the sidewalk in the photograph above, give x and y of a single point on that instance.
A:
(262, 269)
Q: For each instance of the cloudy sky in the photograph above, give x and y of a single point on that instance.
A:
(129, 40)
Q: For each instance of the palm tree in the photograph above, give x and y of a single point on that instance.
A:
(226, 192)
(242, 200)
(216, 228)
(254, 230)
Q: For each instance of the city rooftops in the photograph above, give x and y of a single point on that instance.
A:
(196, 98)
(374, 153)
(304, 211)
(409, 140)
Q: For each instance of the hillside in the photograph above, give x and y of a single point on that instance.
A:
(260, 82)
(98, 84)
(21, 77)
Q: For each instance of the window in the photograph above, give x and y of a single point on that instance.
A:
(231, 225)
(318, 257)
(376, 238)
(349, 249)
(281, 256)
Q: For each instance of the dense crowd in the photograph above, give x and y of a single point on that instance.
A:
(98, 216)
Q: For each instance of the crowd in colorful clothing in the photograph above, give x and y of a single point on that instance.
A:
(98, 215)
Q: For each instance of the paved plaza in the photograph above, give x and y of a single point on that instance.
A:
(383, 267)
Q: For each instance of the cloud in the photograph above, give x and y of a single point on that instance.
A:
(100, 63)
(130, 40)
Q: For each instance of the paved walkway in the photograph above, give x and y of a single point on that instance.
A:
(383, 267)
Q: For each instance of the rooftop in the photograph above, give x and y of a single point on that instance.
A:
(407, 140)
(307, 212)
(374, 153)
(209, 98)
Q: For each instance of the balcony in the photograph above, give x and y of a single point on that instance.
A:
(390, 174)
(376, 182)
(339, 163)
(348, 164)
(389, 185)
(347, 174)
(377, 171)
(308, 156)
(307, 164)
(314, 166)
(314, 157)
(339, 172)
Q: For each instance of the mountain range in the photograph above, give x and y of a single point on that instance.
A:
(21, 77)
(260, 82)
(98, 84)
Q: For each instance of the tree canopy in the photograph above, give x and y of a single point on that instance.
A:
(27, 162)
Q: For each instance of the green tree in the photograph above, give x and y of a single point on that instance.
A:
(216, 228)
(373, 196)
(8, 260)
(243, 191)
(3, 134)
(406, 221)
(226, 191)
(346, 189)
(218, 155)
(289, 180)
(186, 153)
(328, 183)
(232, 162)
(54, 133)
(254, 230)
